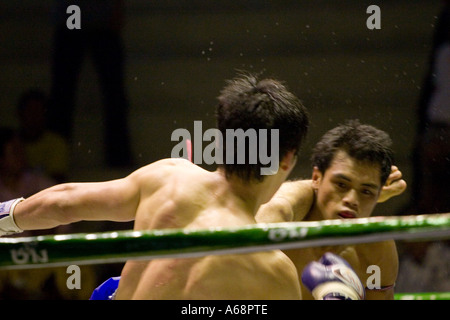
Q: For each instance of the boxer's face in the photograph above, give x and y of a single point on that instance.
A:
(348, 189)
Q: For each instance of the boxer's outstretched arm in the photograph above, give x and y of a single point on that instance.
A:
(114, 200)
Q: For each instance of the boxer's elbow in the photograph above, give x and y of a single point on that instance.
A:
(276, 210)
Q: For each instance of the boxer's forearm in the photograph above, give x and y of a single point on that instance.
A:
(44, 210)
(72, 202)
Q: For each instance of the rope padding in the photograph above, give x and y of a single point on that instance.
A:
(120, 246)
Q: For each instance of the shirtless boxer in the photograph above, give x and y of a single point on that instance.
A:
(352, 171)
(175, 193)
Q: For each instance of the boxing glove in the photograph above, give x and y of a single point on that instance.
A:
(107, 290)
(332, 278)
(7, 224)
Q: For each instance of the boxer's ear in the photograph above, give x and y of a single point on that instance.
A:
(288, 161)
(316, 178)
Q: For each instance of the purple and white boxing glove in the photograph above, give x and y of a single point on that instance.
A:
(332, 278)
(7, 224)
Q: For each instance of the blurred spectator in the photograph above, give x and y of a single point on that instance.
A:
(431, 162)
(45, 284)
(100, 34)
(16, 178)
(45, 150)
(424, 267)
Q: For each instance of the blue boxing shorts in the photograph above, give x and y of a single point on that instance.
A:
(107, 290)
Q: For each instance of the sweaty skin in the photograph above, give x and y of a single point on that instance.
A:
(175, 193)
(348, 189)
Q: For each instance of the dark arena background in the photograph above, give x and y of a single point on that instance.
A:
(177, 56)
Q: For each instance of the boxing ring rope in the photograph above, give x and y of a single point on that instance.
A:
(120, 246)
(422, 296)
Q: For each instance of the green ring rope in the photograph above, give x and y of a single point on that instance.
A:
(423, 296)
(119, 246)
